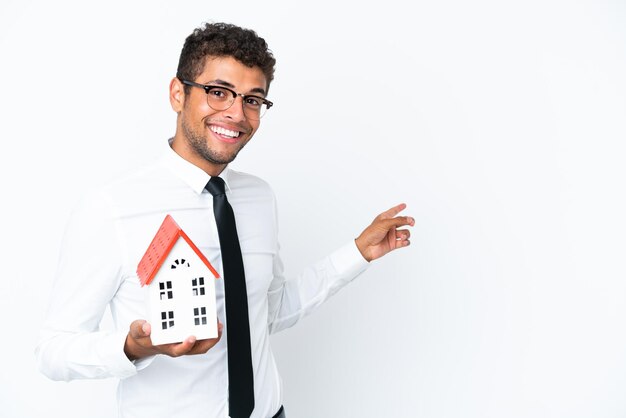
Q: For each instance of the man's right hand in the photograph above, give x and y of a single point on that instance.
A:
(139, 345)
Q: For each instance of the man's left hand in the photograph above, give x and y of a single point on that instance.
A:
(383, 235)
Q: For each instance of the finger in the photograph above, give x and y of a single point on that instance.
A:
(137, 331)
(398, 221)
(403, 234)
(177, 350)
(392, 212)
(146, 328)
(391, 237)
(202, 346)
(402, 243)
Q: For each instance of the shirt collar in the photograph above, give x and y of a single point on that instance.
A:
(192, 175)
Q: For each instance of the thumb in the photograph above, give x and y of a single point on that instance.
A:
(139, 329)
(146, 328)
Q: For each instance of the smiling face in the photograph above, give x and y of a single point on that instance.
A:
(208, 138)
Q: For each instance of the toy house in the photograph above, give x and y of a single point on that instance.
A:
(180, 287)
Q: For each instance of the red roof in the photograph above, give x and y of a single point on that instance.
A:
(159, 248)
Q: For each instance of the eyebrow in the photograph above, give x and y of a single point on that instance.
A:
(232, 86)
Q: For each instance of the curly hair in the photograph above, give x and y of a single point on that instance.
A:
(224, 40)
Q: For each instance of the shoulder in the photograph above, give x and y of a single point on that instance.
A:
(245, 181)
(141, 177)
(251, 192)
(133, 187)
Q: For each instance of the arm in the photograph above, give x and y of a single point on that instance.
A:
(139, 345)
(290, 300)
(71, 346)
(88, 277)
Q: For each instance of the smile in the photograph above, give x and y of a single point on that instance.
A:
(224, 132)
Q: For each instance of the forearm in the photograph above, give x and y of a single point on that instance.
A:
(290, 300)
(96, 355)
(88, 278)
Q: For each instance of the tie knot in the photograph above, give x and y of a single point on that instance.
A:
(215, 186)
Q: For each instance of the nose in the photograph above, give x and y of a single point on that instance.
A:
(235, 111)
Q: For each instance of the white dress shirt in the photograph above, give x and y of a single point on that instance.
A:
(106, 237)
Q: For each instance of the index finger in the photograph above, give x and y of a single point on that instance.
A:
(392, 212)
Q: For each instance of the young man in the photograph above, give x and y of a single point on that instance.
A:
(219, 95)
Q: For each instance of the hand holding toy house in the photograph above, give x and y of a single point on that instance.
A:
(180, 288)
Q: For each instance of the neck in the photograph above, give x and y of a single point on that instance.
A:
(182, 148)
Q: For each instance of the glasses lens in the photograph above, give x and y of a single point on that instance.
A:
(219, 98)
(254, 107)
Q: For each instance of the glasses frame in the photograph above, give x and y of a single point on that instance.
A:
(208, 87)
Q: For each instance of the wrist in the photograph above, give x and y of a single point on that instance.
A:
(362, 249)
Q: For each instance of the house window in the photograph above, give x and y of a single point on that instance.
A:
(179, 262)
(165, 290)
(167, 319)
(199, 316)
(197, 286)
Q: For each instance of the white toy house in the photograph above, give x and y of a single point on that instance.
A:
(180, 287)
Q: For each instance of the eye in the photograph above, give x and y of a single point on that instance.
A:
(218, 93)
(253, 101)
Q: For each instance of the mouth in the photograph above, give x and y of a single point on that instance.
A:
(227, 135)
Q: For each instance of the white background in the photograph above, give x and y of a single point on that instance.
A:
(500, 124)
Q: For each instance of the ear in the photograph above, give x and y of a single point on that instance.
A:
(177, 95)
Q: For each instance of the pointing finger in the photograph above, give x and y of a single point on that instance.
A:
(390, 213)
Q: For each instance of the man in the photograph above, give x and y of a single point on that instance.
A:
(219, 95)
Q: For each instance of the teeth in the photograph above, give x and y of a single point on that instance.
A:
(225, 132)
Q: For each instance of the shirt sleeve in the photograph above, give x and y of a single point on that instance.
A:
(70, 345)
(290, 300)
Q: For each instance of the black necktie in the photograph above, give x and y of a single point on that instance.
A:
(240, 377)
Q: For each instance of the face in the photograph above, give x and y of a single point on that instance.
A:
(206, 137)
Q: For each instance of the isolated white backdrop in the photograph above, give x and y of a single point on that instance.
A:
(500, 124)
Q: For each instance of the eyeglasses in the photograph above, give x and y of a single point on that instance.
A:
(221, 98)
